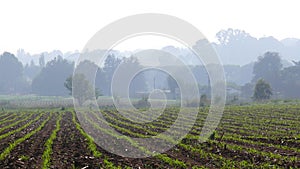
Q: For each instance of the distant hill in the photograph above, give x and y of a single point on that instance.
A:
(236, 47)
(237, 50)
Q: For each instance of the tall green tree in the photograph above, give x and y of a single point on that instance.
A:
(268, 67)
(11, 75)
(80, 88)
(290, 81)
(50, 81)
(110, 65)
(262, 90)
(137, 84)
(172, 84)
(31, 71)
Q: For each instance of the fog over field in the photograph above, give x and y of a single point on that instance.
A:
(245, 60)
(149, 84)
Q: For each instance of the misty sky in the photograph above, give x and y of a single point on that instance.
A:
(39, 26)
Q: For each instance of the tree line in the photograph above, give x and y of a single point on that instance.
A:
(278, 82)
(51, 79)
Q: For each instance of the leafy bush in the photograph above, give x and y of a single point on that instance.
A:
(143, 103)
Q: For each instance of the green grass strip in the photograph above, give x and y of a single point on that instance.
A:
(20, 140)
(21, 128)
(172, 162)
(15, 123)
(2, 114)
(6, 118)
(48, 145)
(92, 146)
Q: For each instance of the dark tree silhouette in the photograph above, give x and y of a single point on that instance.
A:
(268, 67)
(11, 75)
(80, 88)
(50, 81)
(31, 71)
(290, 81)
(262, 91)
(172, 86)
(110, 65)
